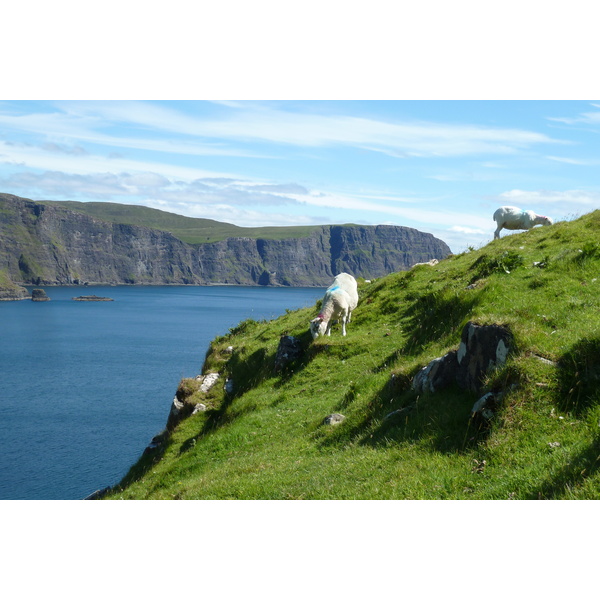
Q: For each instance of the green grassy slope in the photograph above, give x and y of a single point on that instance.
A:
(188, 229)
(268, 440)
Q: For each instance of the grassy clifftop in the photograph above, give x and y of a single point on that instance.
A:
(188, 229)
(268, 439)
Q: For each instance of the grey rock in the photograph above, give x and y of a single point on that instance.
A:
(39, 296)
(179, 410)
(486, 407)
(11, 291)
(155, 442)
(439, 373)
(208, 381)
(98, 494)
(400, 413)
(544, 360)
(288, 350)
(482, 348)
(334, 419)
(93, 298)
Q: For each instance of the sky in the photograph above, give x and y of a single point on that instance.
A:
(438, 166)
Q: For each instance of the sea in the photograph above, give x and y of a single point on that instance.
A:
(84, 386)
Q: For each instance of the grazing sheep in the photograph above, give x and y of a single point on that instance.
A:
(509, 217)
(339, 301)
(432, 262)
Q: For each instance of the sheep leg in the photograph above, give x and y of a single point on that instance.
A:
(344, 319)
(497, 232)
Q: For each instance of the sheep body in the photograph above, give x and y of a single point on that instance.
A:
(340, 299)
(510, 217)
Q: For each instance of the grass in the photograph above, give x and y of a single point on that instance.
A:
(267, 440)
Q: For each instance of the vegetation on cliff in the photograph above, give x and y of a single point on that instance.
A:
(188, 229)
(268, 439)
(48, 244)
(10, 290)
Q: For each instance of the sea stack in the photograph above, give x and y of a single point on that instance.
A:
(39, 296)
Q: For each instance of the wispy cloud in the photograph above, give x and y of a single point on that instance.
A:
(590, 117)
(582, 198)
(277, 163)
(574, 161)
(236, 199)
(37, 156)
(259, 123)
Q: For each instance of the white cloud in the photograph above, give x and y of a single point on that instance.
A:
(259, 123)
(469, 230)
(574, 161)
(36, 157)
(583, 198)
(591, 118)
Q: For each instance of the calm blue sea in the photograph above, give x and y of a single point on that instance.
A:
(84, 386)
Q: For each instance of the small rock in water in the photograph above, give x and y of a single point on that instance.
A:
(39, 296)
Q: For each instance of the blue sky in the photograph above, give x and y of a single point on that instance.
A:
(439, 166)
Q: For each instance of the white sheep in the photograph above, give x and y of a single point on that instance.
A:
(509, 217)
(339, 301)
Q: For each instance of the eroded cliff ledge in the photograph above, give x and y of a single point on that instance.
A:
(49, 245)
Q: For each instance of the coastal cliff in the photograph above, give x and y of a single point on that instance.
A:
(10, 290)
(47, 244)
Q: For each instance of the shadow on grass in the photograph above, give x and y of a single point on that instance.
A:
(443, 418)
(436, 315)
(396, 414)
(579, 468)
(579, 376)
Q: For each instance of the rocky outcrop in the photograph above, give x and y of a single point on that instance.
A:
(288, 350)
(43, 244)
(186, 400)
(11, 291)
(482, 348)
(39, 296)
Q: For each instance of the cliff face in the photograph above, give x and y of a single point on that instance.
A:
(45, 245)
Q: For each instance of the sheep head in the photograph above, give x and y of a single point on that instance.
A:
(318, 327)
